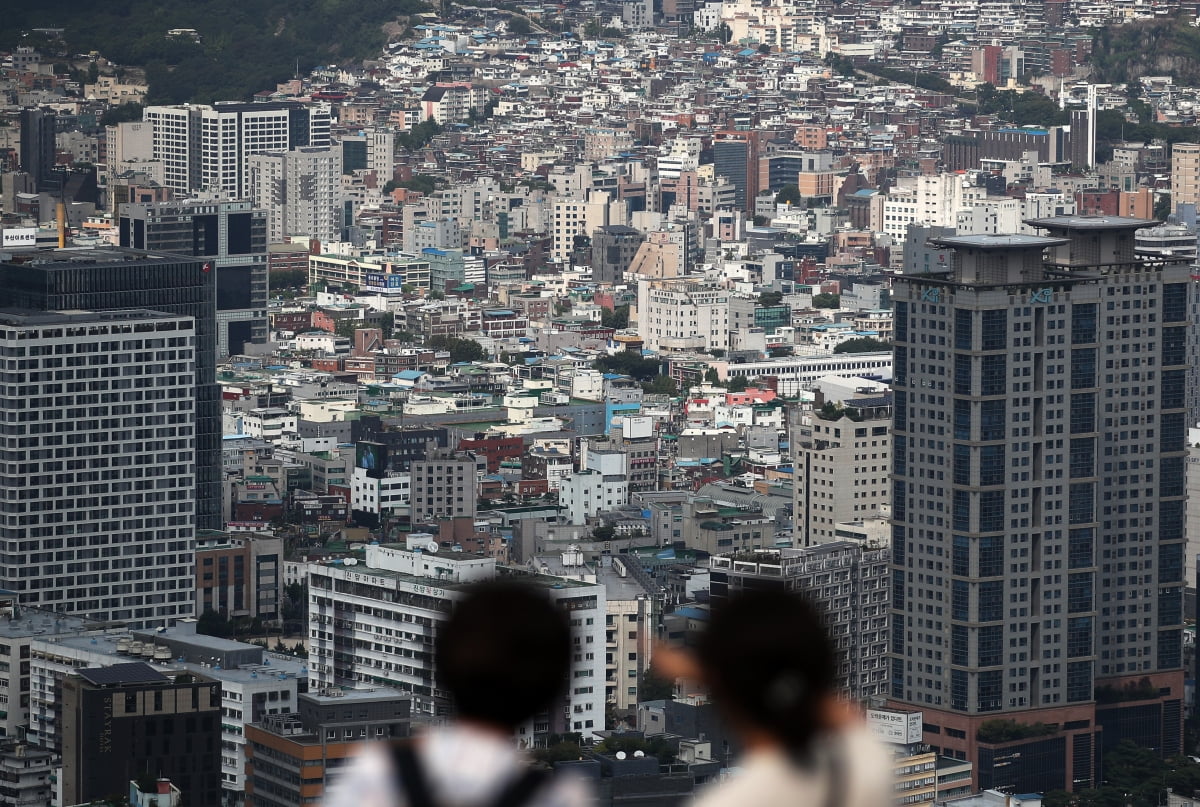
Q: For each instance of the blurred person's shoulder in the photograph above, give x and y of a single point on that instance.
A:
(462, 767)
(852, 769)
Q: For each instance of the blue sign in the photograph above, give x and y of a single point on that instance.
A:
(376, 280)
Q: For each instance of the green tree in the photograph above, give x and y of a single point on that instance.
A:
(289, 278)
(604, 533)
(653, 687)
(212, 623)
(630, 364)
(865, 344)
(346, 327)
(461, 350)
(770, 298)
(789, 194)
(418, 136)
(519, 25)
(618, 318)
(826, 300)
(711, 377)
(1162, 206)
(661, 385)
(124, 113)
(737, 384)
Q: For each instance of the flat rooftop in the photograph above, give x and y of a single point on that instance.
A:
(345, 695)
(28, 317)
(1092, 223)
(1013, 241)
(73, 256)
(35, 623)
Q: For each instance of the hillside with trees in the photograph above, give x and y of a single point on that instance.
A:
(245, 45)
(1161, 47)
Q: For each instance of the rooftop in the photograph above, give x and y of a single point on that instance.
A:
(999, 241)
(1091, 223)
(71, 256)
(24, 317)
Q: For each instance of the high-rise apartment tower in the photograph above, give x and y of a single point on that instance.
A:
(1037, 509)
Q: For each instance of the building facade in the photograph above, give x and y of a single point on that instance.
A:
(105, 279)
(204, 148)
(232, 237)
(375, 624)
(301, 191)
(1038, 487)
(847, 580)
(842, 464)
(129, 720)
(290, 755)
(99, 505)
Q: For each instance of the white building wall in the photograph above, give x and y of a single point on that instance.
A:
(390, 607)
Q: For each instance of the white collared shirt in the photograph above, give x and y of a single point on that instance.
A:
(464, 766)
(769, 778)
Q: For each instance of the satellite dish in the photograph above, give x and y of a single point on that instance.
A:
(620, 755)
(432, 546)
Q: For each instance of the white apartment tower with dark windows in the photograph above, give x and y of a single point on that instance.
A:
(204, 148)
(376, 623)
(98, 464)
(1038, 499)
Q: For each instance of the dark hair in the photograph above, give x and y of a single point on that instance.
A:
(769, 663)
(504, 653)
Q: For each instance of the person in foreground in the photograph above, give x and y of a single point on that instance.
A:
(503, 655)
(770, 667)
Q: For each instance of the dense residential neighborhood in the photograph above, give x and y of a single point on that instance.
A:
(645, 304)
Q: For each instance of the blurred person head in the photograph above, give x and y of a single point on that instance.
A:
(503, 654)
(770, 665)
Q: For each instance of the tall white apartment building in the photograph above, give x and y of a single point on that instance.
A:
(98, 470)
(679, 314)
(301, 191)
(376, 623)
(381, 154)
(842, 467)
(205, 147)
(931, 200)
(581, 217)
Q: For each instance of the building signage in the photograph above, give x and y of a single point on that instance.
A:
(895, 727)
(18, 237)
(376, 280)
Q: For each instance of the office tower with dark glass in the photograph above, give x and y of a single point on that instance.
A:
(97, 471)
(1038, 488)
(38, 147)
(230, 235)
(111, 278)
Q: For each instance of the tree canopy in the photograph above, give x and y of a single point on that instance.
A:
(630, 364)
(865, 344)
(245, 45)
(1133, 777)
(789, 194)
(617, 318)
(826, 300)
(460, 349)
